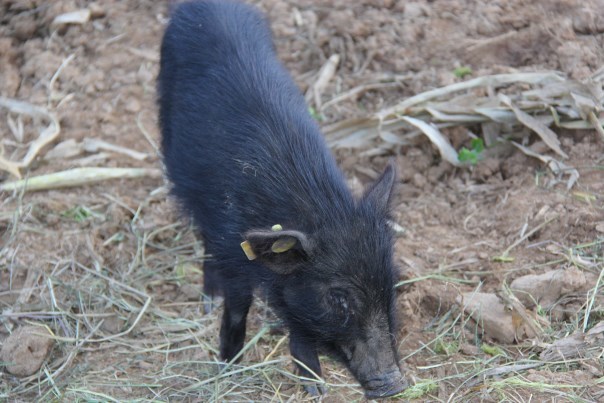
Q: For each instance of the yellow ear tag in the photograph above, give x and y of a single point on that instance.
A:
(276, 227)
(283, 244)
(247, 249)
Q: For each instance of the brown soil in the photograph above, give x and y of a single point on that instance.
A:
(67, 256)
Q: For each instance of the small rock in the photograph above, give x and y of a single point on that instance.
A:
(600, 226)
(112, 324)
(25, 350)
(132, 105)
(469, 349)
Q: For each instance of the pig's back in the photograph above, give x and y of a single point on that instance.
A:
(208, 52)
(239, 145)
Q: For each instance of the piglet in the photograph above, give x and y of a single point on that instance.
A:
(248, 163)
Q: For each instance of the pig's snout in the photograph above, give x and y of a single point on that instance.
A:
(385, 385)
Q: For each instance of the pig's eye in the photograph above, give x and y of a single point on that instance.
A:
(339, 304)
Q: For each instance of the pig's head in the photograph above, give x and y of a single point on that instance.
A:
(336, 287)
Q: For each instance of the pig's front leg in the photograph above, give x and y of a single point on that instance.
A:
(305, 353)
(232, 331)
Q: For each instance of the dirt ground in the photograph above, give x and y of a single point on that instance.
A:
(112, 271)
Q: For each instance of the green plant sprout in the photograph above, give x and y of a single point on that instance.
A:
(474, 154)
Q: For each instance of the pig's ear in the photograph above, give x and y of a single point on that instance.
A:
(380, 193)
(281, 251)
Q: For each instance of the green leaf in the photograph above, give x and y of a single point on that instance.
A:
(315, 115)
(474, 154)
(477, 145)
(462, 71)
(80, 214)
(466, 155)
(492, 350)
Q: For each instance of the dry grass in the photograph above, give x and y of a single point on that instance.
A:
(116, 335)
(119, 337)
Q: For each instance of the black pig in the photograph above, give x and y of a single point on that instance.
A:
(243, 155)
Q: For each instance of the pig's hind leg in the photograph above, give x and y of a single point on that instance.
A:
(237, 301)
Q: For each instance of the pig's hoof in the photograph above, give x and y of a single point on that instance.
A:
(315, 390)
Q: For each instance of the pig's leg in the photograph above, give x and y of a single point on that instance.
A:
(237, 301)
(306, 354)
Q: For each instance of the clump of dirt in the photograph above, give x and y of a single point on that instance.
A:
(578, 344)
(25, 350)
(544, 291)
(547, 288)
(488, 310)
